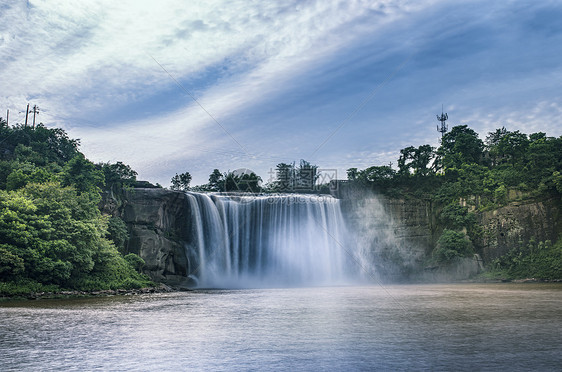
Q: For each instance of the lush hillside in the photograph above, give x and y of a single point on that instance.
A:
(466, 176)
(52, 233)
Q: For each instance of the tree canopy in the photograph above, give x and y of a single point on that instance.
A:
(51, 229)
(181, 181)
(465, 166)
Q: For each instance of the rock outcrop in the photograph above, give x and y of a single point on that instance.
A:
(398, 234)
(517, 223)
(403, 233)
(159, 225)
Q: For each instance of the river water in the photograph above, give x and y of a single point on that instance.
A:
(398, 327)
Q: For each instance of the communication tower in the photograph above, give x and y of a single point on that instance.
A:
(443, 118)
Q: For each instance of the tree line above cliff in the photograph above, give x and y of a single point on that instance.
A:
(464, 166)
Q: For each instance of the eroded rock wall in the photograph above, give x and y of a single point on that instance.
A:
(159, 225)
(397, 233)
(403, 233)
(517, 223)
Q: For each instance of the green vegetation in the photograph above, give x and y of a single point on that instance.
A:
(53, 236)
(452, 245)
(465, 167)
(465, 176)
(541, 260)
(52, 233)
(181, 181)
(242, 180)
(287, 178)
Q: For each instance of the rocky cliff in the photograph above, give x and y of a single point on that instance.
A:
(403, 233)
(159, 226)
(399, 234)
(517, 223)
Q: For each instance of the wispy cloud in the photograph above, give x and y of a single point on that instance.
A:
(277, 76)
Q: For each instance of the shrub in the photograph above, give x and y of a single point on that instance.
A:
(452, 245)
(117, 232)
(136, 262)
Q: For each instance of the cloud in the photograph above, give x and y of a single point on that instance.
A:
(109, 65)
(274, 78)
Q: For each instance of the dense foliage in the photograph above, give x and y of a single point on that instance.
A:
(242, 180)
(466, 167)
(52, 233)
(466, 175)
(181, 181)
(287, 178)
(534, 260)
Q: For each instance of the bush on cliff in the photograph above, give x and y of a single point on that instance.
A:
(542, 260)
(451, 246)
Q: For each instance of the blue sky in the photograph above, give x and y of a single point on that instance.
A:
(339, 83)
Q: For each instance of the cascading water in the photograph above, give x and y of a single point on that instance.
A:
(282, 240)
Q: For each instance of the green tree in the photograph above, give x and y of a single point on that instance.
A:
(506, 146)
(242, 181)
(117, 174)
(52, 145)
(415, 160)
(380, 175)
(452, 245)
(456, 216)
(216, 181)
(352, 174)
(117, 232)
(83, 175)
(11, 265)
(59, 237)
(306, 176)
(542, 158)
(181, 181)
(285, 177)
(135, 261)
(460, 146)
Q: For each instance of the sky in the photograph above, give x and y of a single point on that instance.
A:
(175, 86)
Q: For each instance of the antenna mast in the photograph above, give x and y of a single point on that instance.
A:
(443, 118)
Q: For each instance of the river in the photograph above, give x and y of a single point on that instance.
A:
(395, 327)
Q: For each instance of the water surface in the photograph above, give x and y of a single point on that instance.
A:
(414, 327)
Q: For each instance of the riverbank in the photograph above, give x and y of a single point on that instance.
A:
(161, 288)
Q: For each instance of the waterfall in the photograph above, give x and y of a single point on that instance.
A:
(275, 240)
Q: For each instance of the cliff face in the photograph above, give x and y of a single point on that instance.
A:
(518, 223)
(403, 233)
(398, 234)
(159, 226)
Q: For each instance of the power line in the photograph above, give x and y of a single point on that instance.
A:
(35, 111)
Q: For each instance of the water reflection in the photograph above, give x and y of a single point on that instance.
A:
(438, 327)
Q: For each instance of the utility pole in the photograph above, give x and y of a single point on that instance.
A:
(443, 118)
(35, 111)
(26, 112)
(7, 117)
